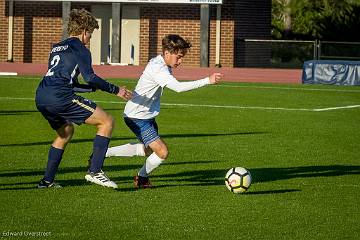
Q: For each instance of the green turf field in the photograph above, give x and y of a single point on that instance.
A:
(300, 147)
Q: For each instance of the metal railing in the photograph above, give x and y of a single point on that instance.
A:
(291, 53)
(339, 50)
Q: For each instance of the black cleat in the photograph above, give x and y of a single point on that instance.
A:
(142, 182)
(46, 184)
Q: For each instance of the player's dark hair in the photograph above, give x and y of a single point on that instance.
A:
(80, 20)
(174, 43)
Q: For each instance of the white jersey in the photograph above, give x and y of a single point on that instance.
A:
(145, 103)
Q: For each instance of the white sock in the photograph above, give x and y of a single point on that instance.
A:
(152, 162)
(127, 150)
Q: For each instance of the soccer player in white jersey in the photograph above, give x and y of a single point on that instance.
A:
(141, 110)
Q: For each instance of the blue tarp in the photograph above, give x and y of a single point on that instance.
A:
(331, 72)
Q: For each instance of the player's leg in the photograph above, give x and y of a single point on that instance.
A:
(130, 149)
(82, 110)
(104, 123)
(160, 153)
(154, 160)
(126, 150)
(64, 134)
(156, 149)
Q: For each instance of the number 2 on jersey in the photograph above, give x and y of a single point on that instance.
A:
(54, 62)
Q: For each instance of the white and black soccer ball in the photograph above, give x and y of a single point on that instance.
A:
(238, 180)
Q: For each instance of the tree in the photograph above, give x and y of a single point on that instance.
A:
(321, 19)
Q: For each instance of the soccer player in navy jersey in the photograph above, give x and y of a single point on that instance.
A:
(61, 107)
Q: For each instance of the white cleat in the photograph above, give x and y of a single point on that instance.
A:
(108, 153)
(100, 178)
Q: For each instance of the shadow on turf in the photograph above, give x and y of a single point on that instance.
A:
(267, 174)
(16, 112)
(216, 176)
(272, 191)
(74, 182)
(191, 135)
(195, 177)
(63, 170)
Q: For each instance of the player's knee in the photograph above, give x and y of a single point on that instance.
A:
(148, 151)
(163, 153)
(65, 133)
(69, 132)
(109, 123)
(160, 149)
(70, 129)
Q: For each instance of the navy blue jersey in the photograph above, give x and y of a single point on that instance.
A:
(67, 60)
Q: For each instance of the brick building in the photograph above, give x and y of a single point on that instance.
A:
(29, 28)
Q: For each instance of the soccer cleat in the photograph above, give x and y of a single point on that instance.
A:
(46, 184)
(100, 178)
(142, 182)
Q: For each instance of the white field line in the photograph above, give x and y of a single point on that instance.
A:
(216, 106)
(235, 107)
(291, 88)
(334, 108)
(8, 73)
(241, 86)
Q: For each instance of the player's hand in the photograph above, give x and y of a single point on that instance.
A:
(124, 93)
(215, 78)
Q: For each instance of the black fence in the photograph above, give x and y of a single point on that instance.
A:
(291, 53)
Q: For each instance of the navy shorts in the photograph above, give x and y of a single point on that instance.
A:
(146, 130)
(75, 111)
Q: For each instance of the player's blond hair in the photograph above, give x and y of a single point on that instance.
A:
(174, 43)
(80, 20)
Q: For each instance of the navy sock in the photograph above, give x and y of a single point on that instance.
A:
(99, 150)
(54, 159)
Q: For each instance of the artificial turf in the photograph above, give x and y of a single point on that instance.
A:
(304, 158)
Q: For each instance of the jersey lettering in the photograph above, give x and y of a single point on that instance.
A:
(54, 62)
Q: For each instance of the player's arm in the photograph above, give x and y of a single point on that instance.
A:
(86, 70)
(84, 62)
(82, 88)
(175, 85)
(83, 59)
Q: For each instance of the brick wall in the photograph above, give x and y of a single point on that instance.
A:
(162, 20)
(4, 31)
(240, 19)
(37, 25)
(156, 22)
(227, 34)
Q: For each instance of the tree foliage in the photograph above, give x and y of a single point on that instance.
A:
(316, 19)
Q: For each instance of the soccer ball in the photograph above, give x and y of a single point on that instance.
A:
(238, 180)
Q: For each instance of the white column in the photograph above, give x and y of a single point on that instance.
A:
(218, 36)
(10, 30)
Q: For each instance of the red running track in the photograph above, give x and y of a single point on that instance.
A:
(292, 76)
